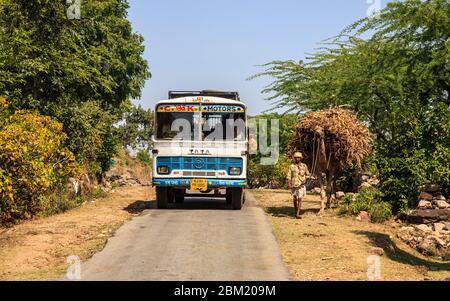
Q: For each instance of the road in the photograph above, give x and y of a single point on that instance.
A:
(199, 240)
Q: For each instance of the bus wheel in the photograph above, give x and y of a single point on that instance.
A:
(229, 197)
(179, 196)
(237, 198)
(162, 197)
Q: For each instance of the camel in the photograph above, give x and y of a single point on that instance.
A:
(331, 139)
(325, 167)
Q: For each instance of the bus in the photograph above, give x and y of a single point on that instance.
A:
(200, 147)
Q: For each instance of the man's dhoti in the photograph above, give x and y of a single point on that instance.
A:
(299, 192)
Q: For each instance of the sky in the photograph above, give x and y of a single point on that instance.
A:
(217, 44)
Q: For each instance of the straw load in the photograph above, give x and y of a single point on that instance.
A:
(348, 139)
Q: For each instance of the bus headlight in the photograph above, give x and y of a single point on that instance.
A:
(235, 171)
(163, 170)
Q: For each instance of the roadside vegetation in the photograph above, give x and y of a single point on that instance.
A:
(67, 110)
(397, 82)
(269, 176)
(369, 200)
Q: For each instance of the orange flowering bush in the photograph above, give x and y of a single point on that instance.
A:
(33, 162)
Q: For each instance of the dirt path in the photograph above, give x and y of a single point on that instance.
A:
(39, 249)
(199, 240)
(337, 248)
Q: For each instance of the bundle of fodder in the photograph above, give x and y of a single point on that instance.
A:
(337, 133)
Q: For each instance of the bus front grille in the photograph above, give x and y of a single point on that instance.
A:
(198, 174)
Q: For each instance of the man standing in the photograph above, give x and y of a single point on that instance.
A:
(296, 177)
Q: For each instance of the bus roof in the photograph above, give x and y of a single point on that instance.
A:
(201, 100)
(205, 93)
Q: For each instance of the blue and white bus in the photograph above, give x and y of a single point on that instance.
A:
(200, 147)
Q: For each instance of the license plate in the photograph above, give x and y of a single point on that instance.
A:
(199, 184)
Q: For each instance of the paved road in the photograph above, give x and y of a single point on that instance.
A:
(199, 240)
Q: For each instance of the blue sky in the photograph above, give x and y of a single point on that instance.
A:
(217, 44)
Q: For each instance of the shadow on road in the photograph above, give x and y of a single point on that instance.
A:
(189, 204)
(393, 252)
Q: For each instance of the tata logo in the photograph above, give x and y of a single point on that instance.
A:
(199, 163)
(200, 152)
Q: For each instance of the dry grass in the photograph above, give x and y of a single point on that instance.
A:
(348, 139)
(337, 248)
(37, 250)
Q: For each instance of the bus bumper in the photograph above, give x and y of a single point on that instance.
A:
(186, 183)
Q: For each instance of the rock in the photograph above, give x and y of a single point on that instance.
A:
(376, 251)
(427, 247)
(425, 196)
(365, 185)
(436, 240)
(423, 228)
(440, 198)
(406, 229)
(113, 178)
(375, 182)
(428, 216)
(122, 182)
(363, 216)
(442, 204)
(340, 195)
(438, 227)
(431, 188)
(425, 205)
(447, 227)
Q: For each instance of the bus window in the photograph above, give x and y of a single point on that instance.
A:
(175, 125)
(225, 126)
(187, 122)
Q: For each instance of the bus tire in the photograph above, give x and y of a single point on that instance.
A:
(179, 196)
(229, 197)
(162, 197)
(237, 198)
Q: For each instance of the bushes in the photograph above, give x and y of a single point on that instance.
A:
(144, 157)
(369, 200)
(269, 176)
(33, 163)
(421, 155)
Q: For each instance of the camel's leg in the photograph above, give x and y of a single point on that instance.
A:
(322, 193)
(336, 201)
(329, 189)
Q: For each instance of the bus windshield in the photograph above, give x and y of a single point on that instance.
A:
(201, 122)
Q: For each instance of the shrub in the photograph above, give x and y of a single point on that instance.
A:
(272, 176)
(424, 156)
(144, 157)
(92, 139)
(369, 200)
(33, 163)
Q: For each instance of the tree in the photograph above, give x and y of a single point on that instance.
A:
(62, 67)
(273, 176)
(398, 83)
(137, 128)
